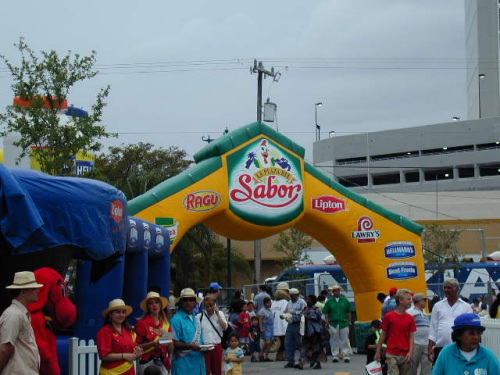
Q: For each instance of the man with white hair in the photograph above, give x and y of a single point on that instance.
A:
(292, 336)
(443, 315)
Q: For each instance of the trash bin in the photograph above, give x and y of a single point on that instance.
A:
(362, 330)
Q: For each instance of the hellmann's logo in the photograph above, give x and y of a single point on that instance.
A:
(328, 204)
(365, 232)
(202, 200)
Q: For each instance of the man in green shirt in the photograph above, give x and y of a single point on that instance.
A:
(337, 312)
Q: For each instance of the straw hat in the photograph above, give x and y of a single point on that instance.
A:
(117, 304)
(283, 285)
(336, 287)
(150, 295)
(188, 293)
(24, 280)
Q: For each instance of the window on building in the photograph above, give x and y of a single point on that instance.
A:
(398, 155)
(448, 150)
(385, 179)
(413, 176)
(354, 181)
(488, 146)
(351, 161)
(438, 174)
(489, 170)
(466, 172)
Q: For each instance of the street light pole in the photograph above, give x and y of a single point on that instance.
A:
(318, 127)
(480, 77)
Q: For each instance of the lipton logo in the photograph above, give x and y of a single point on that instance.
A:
(117, 210)
(365, 232)
(202, 200)
(329, 204)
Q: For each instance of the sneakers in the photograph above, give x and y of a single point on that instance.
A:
(335, 359)
(289, 365)
(253, 359)
(347, 360)
(266, 360)
(317, 367)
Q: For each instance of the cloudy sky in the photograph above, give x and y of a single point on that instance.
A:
(180, 71)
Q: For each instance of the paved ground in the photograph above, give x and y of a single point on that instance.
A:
(355, 367)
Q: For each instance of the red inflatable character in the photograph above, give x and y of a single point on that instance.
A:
(52, 310)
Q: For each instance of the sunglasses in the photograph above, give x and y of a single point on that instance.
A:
(189, 299)
(473, 332)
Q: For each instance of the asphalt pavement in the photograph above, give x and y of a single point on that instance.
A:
(355, 367)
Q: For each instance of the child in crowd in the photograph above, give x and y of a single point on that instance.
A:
(251, 309)
(266, 323)
(233, 356)
(254, 339)
(371, 344)
(244, 327)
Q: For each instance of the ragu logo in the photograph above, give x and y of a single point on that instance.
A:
(365, 232)
(117, 211)
(202, 201)
(328, 204)
(265, 183)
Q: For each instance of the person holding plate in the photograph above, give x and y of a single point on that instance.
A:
(213, 324)
(150, 329)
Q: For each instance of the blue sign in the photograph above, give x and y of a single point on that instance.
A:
(402, 271)
(399, 250)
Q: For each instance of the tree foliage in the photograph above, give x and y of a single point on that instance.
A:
(200, 258)
(440, 245)
(43, 133)
(136, 168)
(290, 243)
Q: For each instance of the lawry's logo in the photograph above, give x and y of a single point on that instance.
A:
(399, 250)
(202, 201)
(265, 183)
(328, 204)
(365, 232)
(402, 271)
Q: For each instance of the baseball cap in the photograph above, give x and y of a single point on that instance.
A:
(393, 290)
(215, 285)
(467, 320)
(419, 296)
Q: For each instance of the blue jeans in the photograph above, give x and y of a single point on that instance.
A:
(292, 341)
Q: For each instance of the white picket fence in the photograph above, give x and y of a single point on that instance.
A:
(491, 337)
(83, 358)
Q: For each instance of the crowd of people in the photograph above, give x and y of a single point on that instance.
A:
(195, 337)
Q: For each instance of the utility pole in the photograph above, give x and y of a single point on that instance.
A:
(261, 73)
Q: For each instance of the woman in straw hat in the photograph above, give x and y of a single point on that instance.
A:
(116, 341)
(149, 330)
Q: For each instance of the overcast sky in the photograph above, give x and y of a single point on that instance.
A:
(181, 70)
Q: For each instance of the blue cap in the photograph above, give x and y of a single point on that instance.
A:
(215, 285)
(468, 321)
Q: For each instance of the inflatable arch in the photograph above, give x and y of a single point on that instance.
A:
(253, 182)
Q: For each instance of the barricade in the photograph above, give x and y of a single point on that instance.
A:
(83, 358)
(491, 337)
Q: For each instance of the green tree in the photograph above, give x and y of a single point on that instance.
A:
(440, 245)
(290, 243)
(136, 168)
(45, 82)
(200, 258)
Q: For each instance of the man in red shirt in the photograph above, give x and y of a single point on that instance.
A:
(398, 329)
